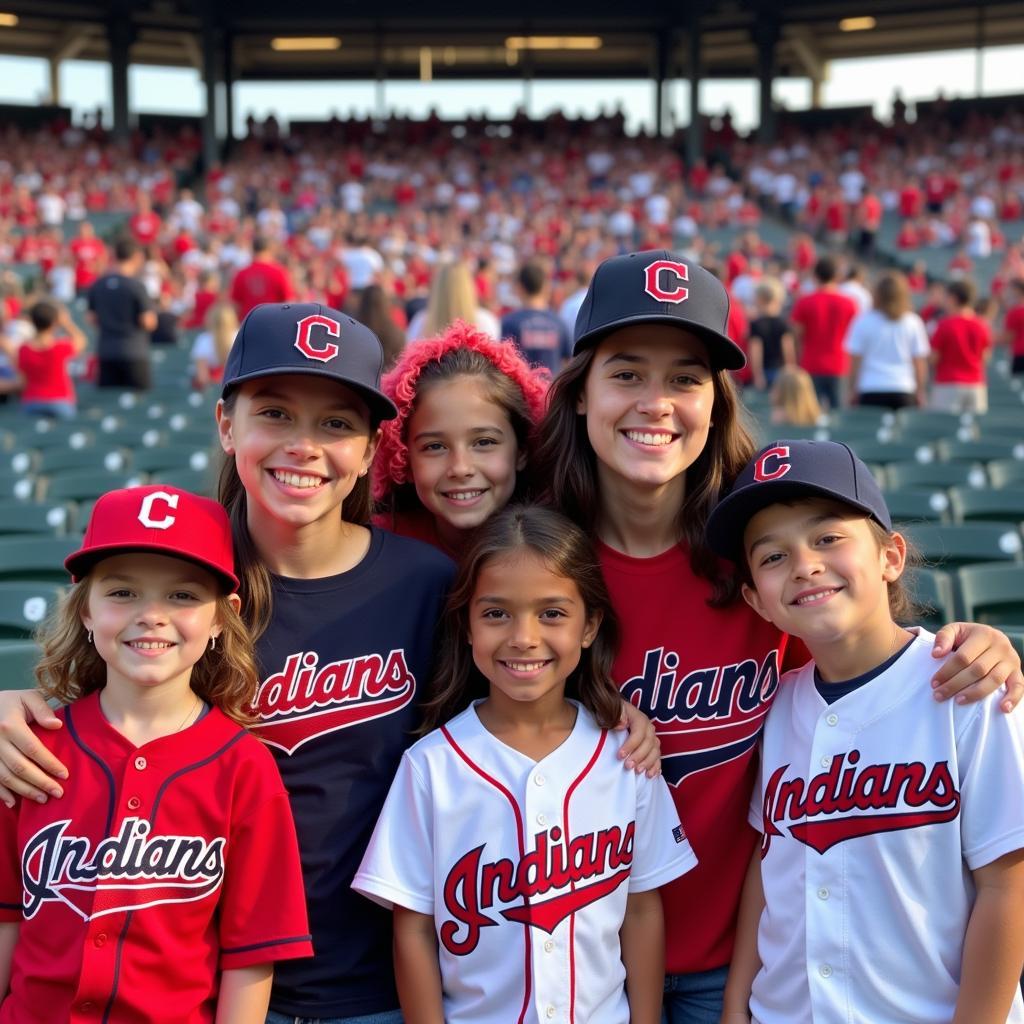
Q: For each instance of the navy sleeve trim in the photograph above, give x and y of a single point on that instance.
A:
(11, 906)
(228, 950)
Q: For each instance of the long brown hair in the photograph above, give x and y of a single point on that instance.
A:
(892, 295)
(566, 467)
(71, 667)
(567, 552)
(254, 578)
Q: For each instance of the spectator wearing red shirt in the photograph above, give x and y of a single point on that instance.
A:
(960, 347)
(90, 256)
(1013, 325)
(820, 320)
(869, 218)
(911, 201)
(145, 224)
(264, 280)
(42, 362)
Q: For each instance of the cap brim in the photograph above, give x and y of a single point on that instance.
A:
(381, 407)
(729, 519)
(724, 352)
(79, 563)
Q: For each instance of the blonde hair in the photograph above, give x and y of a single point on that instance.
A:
(71, 667)
(222, 323)
(793, 398)
(892, 295)
(770, 291)
(452, 297)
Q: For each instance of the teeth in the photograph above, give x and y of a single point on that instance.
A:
(524, 666)
(463, 495)
(296, 479)
(815, 598)
(150, 645)
(642, 437)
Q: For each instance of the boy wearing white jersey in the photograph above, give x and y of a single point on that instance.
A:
(890, 879)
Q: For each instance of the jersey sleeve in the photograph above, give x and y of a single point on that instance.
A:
(990, 752)
(398, 866)
(661, 850)
(920, 345)
(11, 891)
(263, 904)
(856, 336)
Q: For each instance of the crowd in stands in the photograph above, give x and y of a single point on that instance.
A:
(409, 225)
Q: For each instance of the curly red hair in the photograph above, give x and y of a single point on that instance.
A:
(401, 384)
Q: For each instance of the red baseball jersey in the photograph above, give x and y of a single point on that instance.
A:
(960, 343)
(706, 678)
(161, 866)
(824, 316)
(258, 283)
(1015, 326)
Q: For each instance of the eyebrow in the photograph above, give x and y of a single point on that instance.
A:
(624, 357)
(116, 577)
(472, 430)
(498, 599)
(340, 406)
(822, 517)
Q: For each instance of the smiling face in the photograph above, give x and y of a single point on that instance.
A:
(300, 443)
(527, 626)
(647, 400)
(820, 574)
(463, 454)
(152, 617)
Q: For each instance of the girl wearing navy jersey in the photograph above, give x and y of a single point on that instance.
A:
(344, 616)
(642, 435)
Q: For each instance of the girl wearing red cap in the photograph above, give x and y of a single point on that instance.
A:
(456, 452)
(135, 891)
(643, 433)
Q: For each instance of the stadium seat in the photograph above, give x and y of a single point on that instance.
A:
(886, 452)
(932, 592)
(48, 518)
(203, 481)
(1015, 634)
(992, 593)
(980, 451)
(914, 504)
(1006, 472)
(53, 461)
(18, 660)
(1006, 503)
(18, 486)
(24, 604)
(953, 545)
(171, 456)
(936, 474)
(36, 558)
(86, 484)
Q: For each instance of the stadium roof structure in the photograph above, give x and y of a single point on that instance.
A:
(538, 38)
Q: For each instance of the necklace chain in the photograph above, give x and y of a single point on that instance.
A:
(193, 712)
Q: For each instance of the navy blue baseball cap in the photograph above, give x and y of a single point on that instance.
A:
(787, 471)
(658, 287)
(306, 337)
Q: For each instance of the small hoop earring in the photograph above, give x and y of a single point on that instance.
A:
(213, 643)
(88, 635)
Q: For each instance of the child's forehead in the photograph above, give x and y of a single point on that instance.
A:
(303, 387)
(800, 511)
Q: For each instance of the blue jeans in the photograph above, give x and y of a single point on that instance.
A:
(59, 410)
(387, 1017)
(694, 998)
(827, 388)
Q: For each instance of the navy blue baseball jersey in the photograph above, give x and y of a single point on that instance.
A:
(540, 335)
(344, 664)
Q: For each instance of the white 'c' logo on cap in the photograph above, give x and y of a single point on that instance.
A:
(146, 511)
(652, 275)
(304, 327)
(779, 456)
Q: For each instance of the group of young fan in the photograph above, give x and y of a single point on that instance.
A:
(841, 842)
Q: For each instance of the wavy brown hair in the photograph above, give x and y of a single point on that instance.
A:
(253, 576)
(566, 552)
(71, 667)
(565, 463)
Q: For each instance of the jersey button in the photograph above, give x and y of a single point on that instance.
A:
(140, 763)
(550, 1012)
(832, 719)
(100, 940)
(86, 1007)
(134, 803)
(548, 945)
(825, 971)
(823, 893)
(538, 780)
(542, 819)
(826, 761)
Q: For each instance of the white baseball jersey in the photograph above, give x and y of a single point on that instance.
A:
(873, 811)
(525, 866)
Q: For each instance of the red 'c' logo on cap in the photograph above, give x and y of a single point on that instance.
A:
(146, 510)
(772, 464)
(652, 279)
(326, 352)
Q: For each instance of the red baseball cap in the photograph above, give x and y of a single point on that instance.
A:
(160, 519)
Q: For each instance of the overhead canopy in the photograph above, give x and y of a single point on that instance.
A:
(469, 41)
